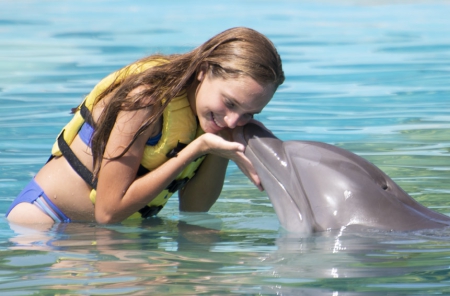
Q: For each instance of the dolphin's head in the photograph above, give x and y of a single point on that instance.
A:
(315, 186)
(268, 156)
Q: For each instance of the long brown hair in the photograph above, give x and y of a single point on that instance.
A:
(232, 53)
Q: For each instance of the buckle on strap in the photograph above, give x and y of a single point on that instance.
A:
(150, 211)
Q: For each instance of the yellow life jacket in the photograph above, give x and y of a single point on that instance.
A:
(179, 127)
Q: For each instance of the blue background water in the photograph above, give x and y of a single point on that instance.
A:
(369, 76)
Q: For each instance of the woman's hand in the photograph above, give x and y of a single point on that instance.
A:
(225, 146)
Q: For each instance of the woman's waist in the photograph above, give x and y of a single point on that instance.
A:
(66, 189)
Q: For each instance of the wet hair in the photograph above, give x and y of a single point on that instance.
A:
(233, 53)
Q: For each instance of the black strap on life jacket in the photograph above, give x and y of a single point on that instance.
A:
(176, 185)
(86, 114)
(147, 212)
(75, 163)
(174, 152)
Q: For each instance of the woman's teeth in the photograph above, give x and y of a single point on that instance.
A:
(215, 121)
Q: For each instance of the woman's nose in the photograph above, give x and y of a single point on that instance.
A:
(233, 119)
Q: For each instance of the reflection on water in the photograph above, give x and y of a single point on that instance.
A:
(369, 76)
(176, 257)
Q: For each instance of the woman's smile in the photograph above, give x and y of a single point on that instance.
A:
(216, 122)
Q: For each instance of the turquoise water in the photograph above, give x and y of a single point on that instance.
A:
(370, 76)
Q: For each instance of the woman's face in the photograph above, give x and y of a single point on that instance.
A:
(227, 103)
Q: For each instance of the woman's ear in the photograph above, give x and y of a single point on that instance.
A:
(202, 71)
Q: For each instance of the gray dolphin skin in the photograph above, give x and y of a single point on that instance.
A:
(315, 186)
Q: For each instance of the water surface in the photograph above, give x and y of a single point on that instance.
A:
(369, 76)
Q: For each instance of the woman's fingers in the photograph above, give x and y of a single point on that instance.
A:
(218, 146)
(233, 151)
(247, 168)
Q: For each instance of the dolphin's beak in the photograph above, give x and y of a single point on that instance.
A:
(266, 152)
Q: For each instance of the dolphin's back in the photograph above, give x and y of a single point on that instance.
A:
(344, 189)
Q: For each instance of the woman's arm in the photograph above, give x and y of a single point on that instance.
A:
(119, 194)
(202, 191)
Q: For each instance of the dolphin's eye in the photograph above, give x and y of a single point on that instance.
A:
(384, 186)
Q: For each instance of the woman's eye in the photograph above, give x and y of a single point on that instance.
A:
(229, 104)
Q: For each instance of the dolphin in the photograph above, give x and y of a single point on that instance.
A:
(315, 186)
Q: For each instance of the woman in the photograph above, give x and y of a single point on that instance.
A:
(158, 125)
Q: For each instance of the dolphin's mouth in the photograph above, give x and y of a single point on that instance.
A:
(250, 152)
(253, 130)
